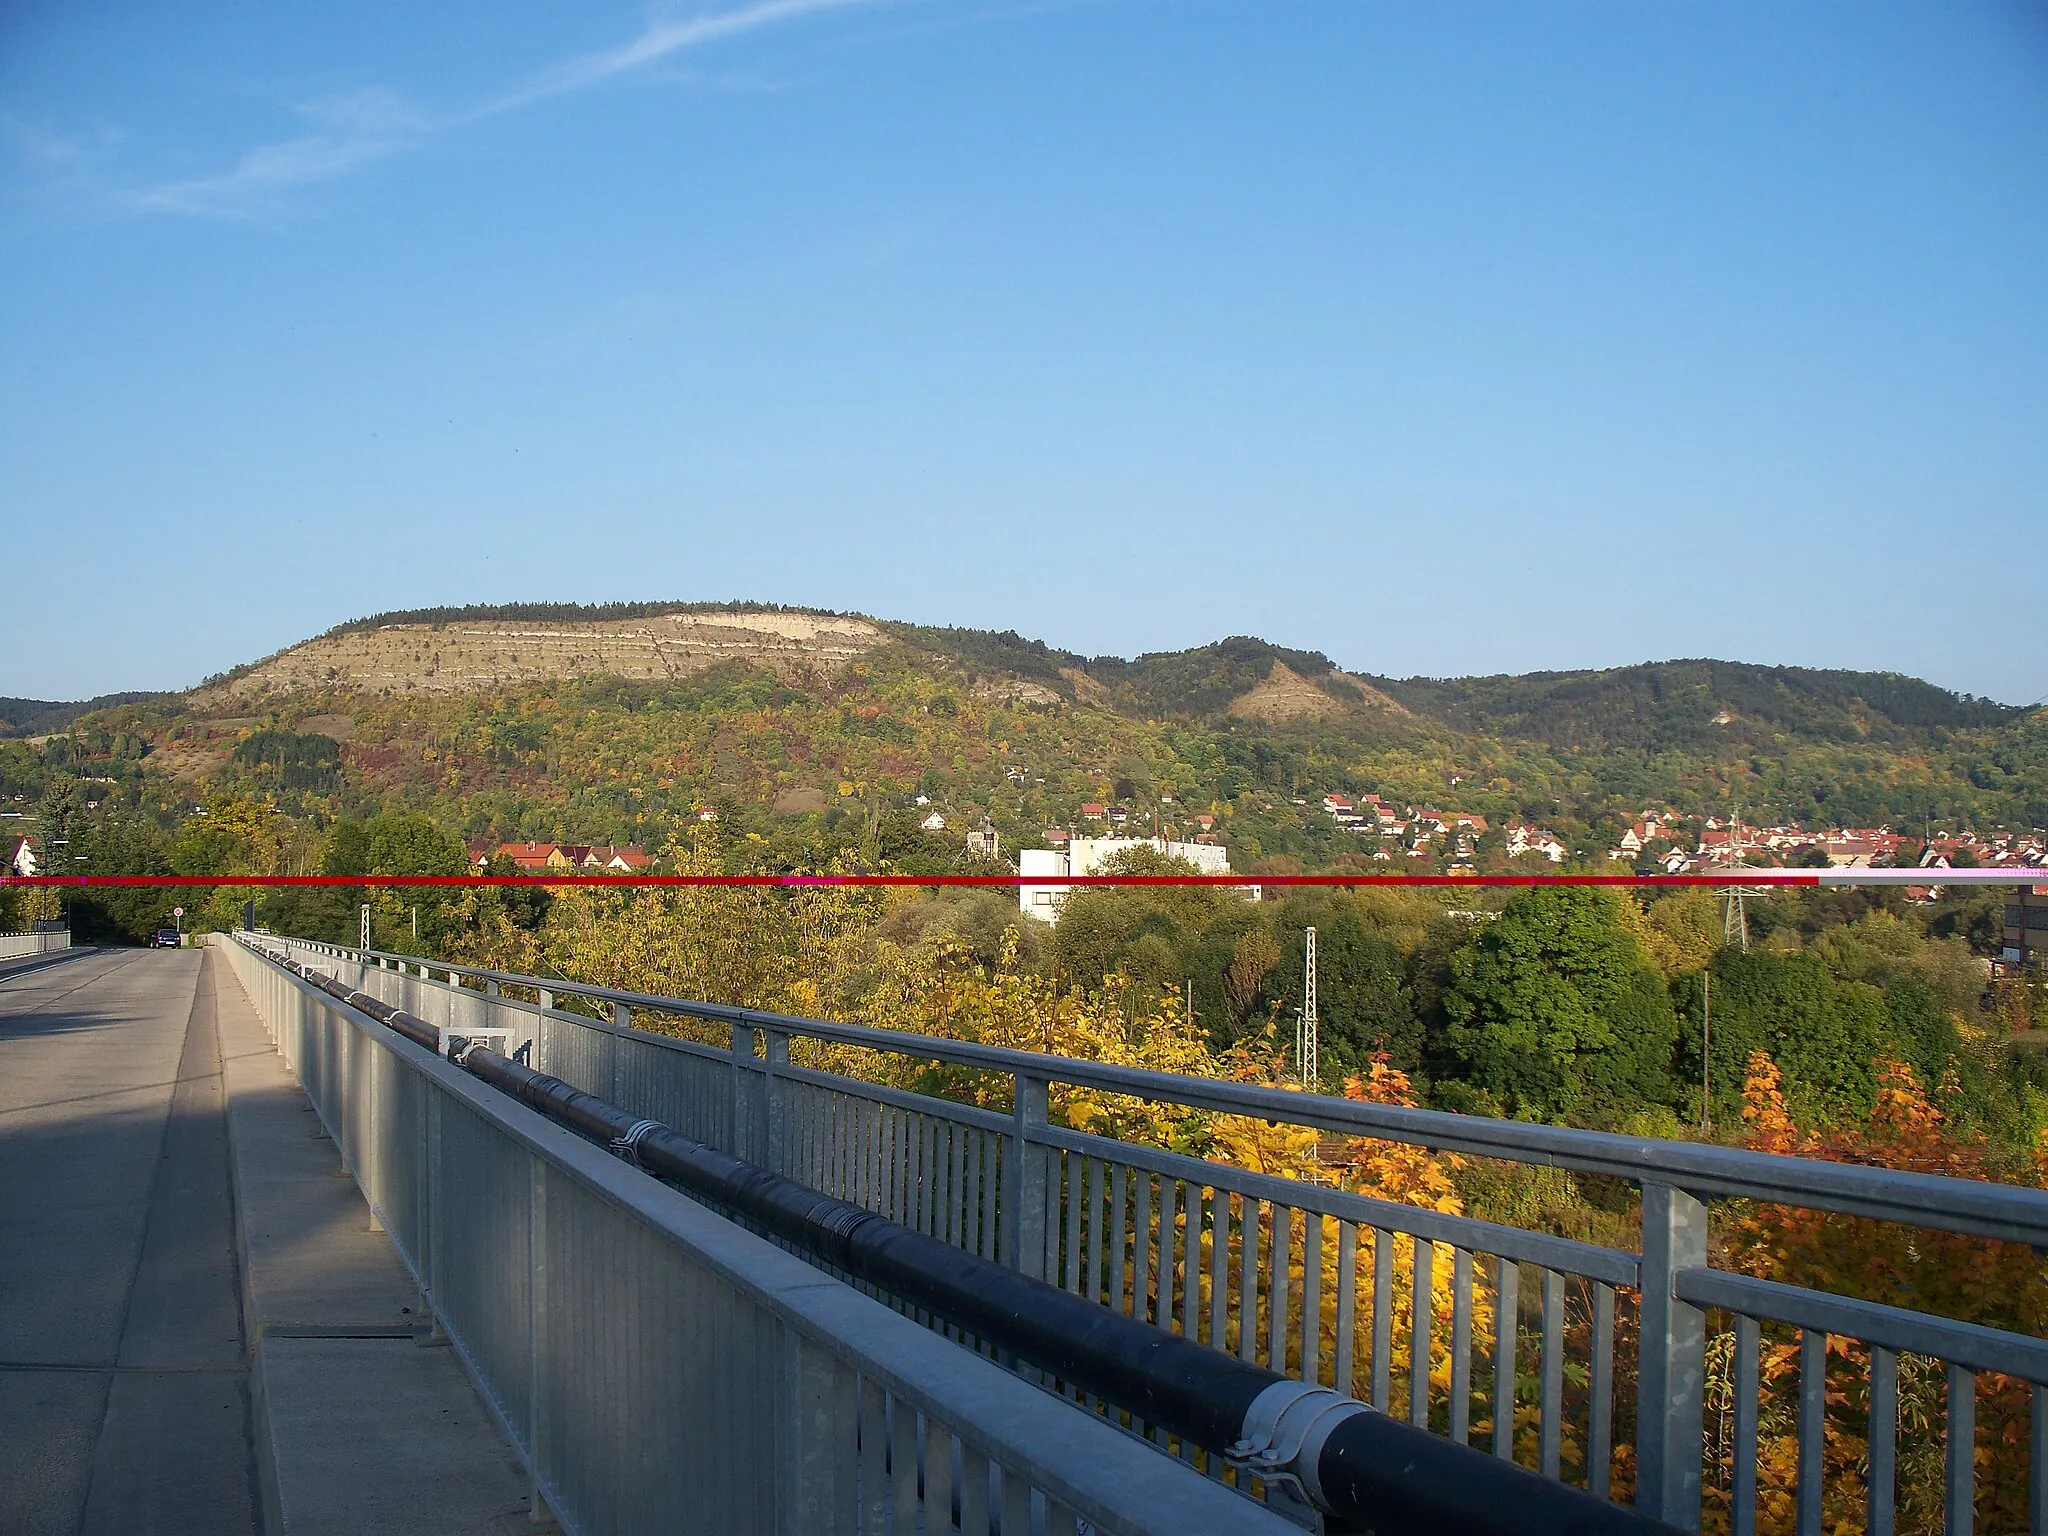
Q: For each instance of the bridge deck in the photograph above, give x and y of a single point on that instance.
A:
(195, 1320)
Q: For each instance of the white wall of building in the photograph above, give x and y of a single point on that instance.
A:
(1086, 856)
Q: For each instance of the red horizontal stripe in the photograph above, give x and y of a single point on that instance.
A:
(1747, 877)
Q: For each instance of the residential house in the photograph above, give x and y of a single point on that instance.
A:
(1523, 838)
(533, 858)
(1087, 855)
(18, 854)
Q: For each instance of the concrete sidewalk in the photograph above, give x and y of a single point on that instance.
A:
(362, 1423)
(198, 1329)
(123, 1377)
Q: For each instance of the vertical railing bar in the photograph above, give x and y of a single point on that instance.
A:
(1959, 1473)
(1119, 1191)
(1881, 1491)
(1169, 1234)
(1248, 1278)
(1219, 1268)
(1550, 1423)
(1091, 1259)
(1813, 1383)
(1312, 1296)
(974, 1508)
(1141, 1243)
(1277, 1288)
(1346, 1378)
(1506, 1327)
(939, 1451)
(874, 1478)
(2037, 1464)
(1461, 1345)
(962, 1234)
(1382, 1316)
(990, 1193)
(903, 1464)
(1600, 1394)
(1016, 1505)
(927, 1172)
(1742, 1519)
(1422, 1317)
(1073, 1184)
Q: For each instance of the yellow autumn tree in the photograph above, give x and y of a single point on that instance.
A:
(1973, 1279)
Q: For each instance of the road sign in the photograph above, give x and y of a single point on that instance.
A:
(177, 911)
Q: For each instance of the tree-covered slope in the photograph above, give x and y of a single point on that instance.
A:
(1697, 705)
(819, 761)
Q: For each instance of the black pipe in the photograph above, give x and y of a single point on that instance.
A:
(416, 1030)
(1369, 1470)
(1384, 1475)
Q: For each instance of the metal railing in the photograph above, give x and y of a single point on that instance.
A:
(657, 1367)
(1312, 1280)
(13, 946)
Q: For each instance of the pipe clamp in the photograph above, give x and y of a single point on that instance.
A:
(628, 1145)
(1284, 1431)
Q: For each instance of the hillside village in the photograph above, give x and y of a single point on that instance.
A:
(1662, 840)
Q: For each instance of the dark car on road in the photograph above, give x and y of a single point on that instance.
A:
(166, 938)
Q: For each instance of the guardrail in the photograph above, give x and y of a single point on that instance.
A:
(658, 1367)
(1307, 1279)
(15, 945)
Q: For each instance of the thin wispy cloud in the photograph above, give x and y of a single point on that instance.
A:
(344, 132)
(347, 132)
(661, 40)
(46, 149)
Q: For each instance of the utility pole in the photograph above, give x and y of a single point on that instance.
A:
(1308, 1050)
(366, 925)
(1706, 1050)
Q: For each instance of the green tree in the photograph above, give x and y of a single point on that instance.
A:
(1823, 1033)
(1362, 1002)
(1554, 1011)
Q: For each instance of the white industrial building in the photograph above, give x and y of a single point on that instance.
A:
(1086, 856)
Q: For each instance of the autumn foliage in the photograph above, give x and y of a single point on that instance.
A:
(1973, 1279)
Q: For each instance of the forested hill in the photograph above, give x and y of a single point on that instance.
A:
(813, 732)
(31, 717)
(1662, 705)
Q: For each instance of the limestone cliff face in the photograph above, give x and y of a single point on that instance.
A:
(478, 656)
(1286, 695)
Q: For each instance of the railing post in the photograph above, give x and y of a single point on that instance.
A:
(1025, 1181)
(622, 1018)
(742, 1070)
(1673, 1362)
(777, 1055)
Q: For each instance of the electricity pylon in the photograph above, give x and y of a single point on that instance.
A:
(1307, 1048)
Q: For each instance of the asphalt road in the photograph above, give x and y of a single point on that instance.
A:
(124, 1387)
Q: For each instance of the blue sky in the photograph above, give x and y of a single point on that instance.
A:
(1440, 337)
